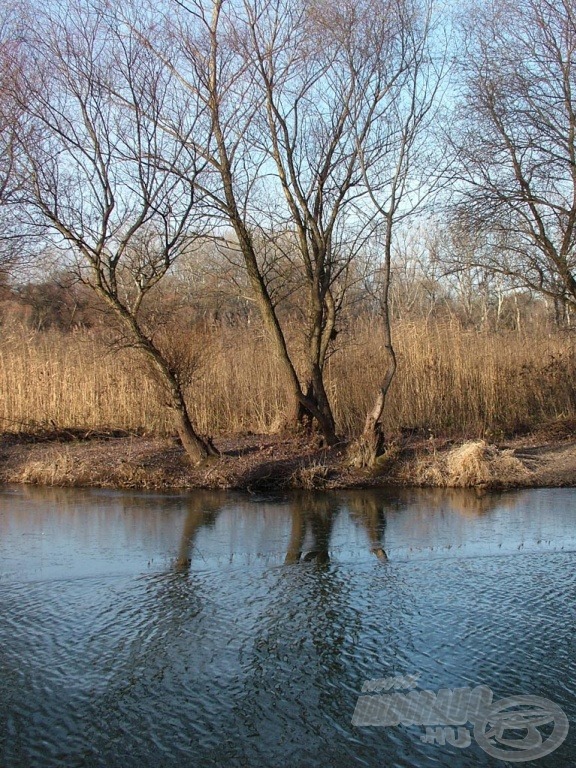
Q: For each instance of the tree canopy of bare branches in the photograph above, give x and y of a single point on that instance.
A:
(517, 142)
(293, 134)
(313, 117)
(100, 178)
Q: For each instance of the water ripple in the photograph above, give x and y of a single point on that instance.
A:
(260, 663)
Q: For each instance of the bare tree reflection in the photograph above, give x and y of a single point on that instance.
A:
(312, 515)
(368, 510)
(203, 510)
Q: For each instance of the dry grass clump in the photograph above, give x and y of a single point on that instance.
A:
(56, 468)
(474, 464)
(310, 477)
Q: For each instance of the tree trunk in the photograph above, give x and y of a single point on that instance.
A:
(321, 326)
(197, 448)
(372, 440)
(370, 445)
(296, 416)
(324, 416)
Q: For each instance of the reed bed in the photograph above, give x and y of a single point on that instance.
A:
(456, 382)
(450, 382)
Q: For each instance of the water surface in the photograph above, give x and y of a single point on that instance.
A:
(212, 629)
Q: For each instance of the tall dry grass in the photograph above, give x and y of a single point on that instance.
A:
(458, 382)
(450, 381)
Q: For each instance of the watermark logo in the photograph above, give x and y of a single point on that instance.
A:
(515, 729)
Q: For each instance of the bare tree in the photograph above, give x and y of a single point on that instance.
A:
(319, 76)
(517, 142)
(402, 164)
(117, 195)
(12, 125)
(217, 85)
(274, 208)
(302, 100)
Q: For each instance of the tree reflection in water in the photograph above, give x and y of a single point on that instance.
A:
(312, 517)
(312, 514)
(203, 510)
(368, 510)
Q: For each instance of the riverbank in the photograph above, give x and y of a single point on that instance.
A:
(274, 462)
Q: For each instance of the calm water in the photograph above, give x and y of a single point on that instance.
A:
(231, 630)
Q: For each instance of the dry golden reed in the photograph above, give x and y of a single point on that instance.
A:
(449, 382)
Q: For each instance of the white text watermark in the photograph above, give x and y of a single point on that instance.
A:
(515, 729)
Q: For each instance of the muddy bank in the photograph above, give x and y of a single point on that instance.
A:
(255, 462)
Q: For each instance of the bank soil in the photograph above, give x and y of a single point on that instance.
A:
(257, 462)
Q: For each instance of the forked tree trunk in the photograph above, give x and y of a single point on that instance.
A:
(314, 404)
(299, 399)
(304, 412)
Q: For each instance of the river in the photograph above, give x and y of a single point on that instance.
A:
(215, 629)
